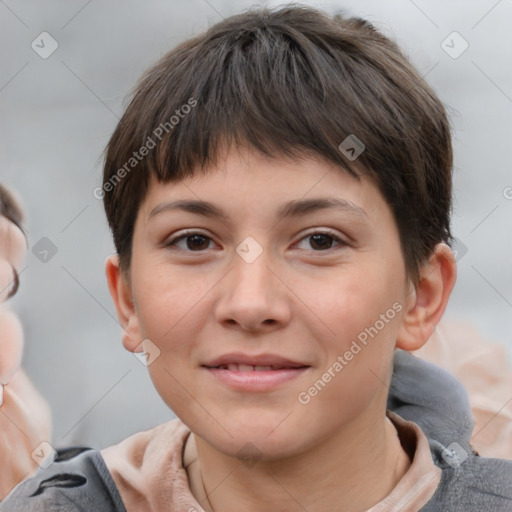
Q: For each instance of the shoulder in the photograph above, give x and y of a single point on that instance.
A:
(80, 479)
(477, 484)
(77, 480)
(437, 402)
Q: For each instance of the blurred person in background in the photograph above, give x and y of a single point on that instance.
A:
(25, 419)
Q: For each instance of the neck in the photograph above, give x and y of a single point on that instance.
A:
(351, 471)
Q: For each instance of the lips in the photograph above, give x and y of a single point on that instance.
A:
(254, 373)
(246, 363)
(248, 368)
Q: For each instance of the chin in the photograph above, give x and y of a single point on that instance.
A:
(249, 449)
(254, 437)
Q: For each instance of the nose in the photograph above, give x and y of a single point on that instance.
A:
(253, 297)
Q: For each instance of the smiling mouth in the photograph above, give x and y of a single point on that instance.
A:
(251, 368)
(248, 378)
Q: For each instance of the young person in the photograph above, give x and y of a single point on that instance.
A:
(279, 194)
(25, 419)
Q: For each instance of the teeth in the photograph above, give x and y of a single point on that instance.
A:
(245, 368)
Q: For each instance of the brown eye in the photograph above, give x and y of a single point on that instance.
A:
(192, 242)
(320, 241)
(197, 242)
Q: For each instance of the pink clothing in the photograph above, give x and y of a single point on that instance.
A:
(158, 470)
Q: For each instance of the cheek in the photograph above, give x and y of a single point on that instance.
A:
(350, 303)
(167, 302)
(172, 312)
(362, 311)
(364, 316)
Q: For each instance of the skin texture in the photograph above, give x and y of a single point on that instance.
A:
(25, 419)
(297, 300)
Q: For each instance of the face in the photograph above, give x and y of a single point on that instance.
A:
(271, 292)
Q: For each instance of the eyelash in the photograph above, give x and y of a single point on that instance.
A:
(172, 242)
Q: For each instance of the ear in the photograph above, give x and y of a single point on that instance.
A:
(427, 300)
(120, 290)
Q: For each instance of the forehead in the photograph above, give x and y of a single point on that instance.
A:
(251, 180)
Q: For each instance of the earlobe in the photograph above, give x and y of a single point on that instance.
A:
(427, 302)
(121, 293)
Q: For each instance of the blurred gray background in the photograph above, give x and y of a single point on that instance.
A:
(58, 111)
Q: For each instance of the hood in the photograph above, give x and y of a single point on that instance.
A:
(432, 398)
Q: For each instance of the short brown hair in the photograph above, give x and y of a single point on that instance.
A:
(289, 81)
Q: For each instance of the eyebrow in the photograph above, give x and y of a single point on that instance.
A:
(293, 208)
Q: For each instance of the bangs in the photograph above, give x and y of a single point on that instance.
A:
(265, 91)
